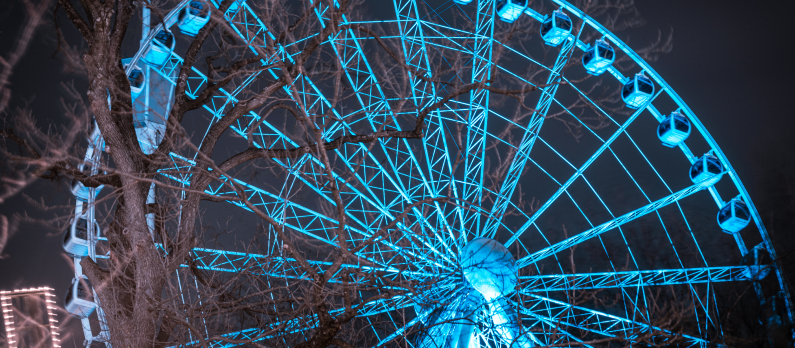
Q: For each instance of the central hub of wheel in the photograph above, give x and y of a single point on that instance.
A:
(489, 267)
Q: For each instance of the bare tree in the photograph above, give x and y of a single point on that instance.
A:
(294, 291)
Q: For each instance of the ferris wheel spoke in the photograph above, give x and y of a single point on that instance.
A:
(528, 139)
(284, 267)
(605, 145)
(662, 277)
(562, 313)
(475, 147)
(595, 231)
(424, 95)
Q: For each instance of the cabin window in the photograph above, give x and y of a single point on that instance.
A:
(681, 126)
(645, 87)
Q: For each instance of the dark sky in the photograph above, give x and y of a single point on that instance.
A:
(731, 62)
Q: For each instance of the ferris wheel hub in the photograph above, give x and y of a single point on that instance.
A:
(489, 268)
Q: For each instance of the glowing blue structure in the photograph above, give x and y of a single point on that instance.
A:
(193, 17)
(504, 264)
(556, 28)
(674, 129)
(160, 49)
(79, 299)
(598, 58)
(734, 216)
(707, 170)
(510, 10)
(75, 240)
(637, 91)
(137, 79)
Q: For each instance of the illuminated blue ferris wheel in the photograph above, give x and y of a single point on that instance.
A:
(633, 202)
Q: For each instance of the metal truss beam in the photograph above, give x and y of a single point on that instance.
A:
(561, 313)
(279, 266)
(423, 95)
(478, 114)
(584, 281)
(593, 232)
(528, 139)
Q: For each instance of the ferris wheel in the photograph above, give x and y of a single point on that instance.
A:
(639, 200)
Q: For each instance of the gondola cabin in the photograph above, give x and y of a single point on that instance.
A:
(75, 238)
(137, 81)
(79, 300)
(510, 10)
(81, 192)
(674, 129)
(193, 17)
(556, 28)
(733, 216)
(637, 91)
(707, 169)
(598, 58)
(462, 2)
(757, 261)
(160, 49)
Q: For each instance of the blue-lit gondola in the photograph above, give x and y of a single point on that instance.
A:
(674, 129)
(706, 169)
(160, 48)
(556, 28)
(137, 80)
(79, 299)
(598, 58)
(734, 216)
(637, 91)
(193, 17)
(81, 192)
(75, 238)
(462, 2)
(758, 261)
(510, 10)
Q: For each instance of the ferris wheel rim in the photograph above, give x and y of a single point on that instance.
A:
(636, 58)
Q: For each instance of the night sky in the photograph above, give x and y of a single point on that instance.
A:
(731, 62)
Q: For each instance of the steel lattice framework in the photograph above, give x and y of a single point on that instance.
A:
(396, 175)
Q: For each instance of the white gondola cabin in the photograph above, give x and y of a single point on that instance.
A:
(160, 49)
(510, 10)
(674, 129)
(137, 81)
(598, 58)
(79, 299)
(193, 17)
(556, 28)
(637, 91)
(707, 169)
(75, 238)
(81, 192)
(757, 261)
(734, 216)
